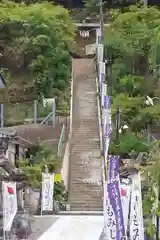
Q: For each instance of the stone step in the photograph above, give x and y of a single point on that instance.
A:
(84, 139)
(83, 213)
(79, 167)
(86, 199)
(85, 121)
(87, 151)
(79, 208)
(84, 171)
(83, 206)
(85, 143)
(85, 129)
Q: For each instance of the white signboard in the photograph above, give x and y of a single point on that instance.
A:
(136, 214)
(47, 192)
(9, 204)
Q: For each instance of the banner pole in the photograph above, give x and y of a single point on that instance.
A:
(4, 235)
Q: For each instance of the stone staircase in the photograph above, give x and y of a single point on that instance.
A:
(85, 186)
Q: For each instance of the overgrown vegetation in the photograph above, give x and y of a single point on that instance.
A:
(131, 45)
(33, 167)
(33, 42)
(34, 57)
(132, 48)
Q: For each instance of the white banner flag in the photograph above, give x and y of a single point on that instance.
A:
(9, 204)
(98, 35)
(102, 68)
(125, 198)
(136, 213)
(103, 93)
(104, 89)
(102, 72)
(47, 192)
(100, 52)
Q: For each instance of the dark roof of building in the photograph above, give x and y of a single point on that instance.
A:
(30, 134)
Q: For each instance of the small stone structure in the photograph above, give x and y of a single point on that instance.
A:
(21, 227)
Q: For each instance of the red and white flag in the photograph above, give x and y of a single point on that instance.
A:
(9, 204)
(125, 198)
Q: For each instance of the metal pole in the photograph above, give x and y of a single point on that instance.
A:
(46, 169)
(2, 115)
(149, 132)
(145, 2)
(101, 19)
(35, 111)
(117, 124)
(53, 112)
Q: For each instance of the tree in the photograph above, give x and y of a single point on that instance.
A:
(91, 6)
(132, 45)
(33, 43)
(130, 40)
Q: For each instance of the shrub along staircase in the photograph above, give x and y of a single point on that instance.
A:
(85, 186)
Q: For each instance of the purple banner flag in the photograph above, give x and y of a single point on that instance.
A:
(116, 229)
(107, 102)
(113, 167)
(102, 72)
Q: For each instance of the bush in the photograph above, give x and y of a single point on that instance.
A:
(127, 143)
(60, 195)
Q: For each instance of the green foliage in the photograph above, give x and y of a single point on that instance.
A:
(131, 42)
(127, 143)
(35, 38)
(60, 195)
(35, 165)
(133, 86)
(91, 6)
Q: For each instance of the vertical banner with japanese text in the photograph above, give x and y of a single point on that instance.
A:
(115, 220)
(136, 213)
(47, 192)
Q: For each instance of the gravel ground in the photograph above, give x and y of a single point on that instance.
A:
(40, 224)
